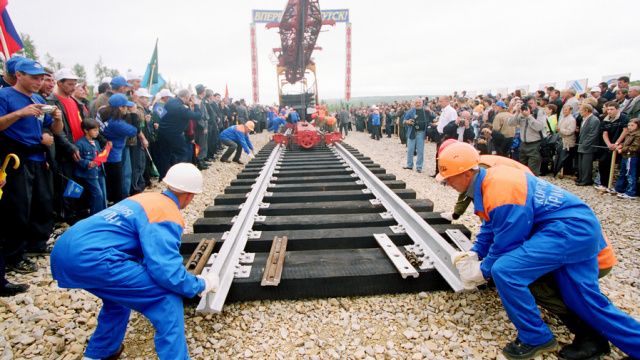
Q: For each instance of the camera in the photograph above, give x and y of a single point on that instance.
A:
(48, 109)
(524, 107)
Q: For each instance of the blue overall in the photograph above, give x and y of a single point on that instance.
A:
(128, 256)
(532, 228)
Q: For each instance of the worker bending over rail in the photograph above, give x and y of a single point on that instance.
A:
(127, 255)
(532, 228)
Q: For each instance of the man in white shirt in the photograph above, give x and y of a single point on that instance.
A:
(448, 115)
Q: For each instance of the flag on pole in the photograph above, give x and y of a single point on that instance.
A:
(73, 190)
(11, 42)
(102, 157)
(226, 91)
(151, 79)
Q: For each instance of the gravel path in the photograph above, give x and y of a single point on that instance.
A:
(52, 323)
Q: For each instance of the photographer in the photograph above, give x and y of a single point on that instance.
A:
(415, 121)
(532, 122)
(461, 128)
(491, 142)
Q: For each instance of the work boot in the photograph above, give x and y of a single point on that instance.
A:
(10, 289)
(238, 161)
(116, 355)
(517, 350)
(23, 266)
(588, 343)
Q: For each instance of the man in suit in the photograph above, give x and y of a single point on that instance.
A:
(589, 138)
(633, 107)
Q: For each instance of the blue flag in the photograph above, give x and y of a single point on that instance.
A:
(73, 190)
(160, 110)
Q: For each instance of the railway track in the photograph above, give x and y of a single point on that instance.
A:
(322, 222)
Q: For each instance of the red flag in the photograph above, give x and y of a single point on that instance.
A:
(226, 91)
(102, 157)
(8, 35)
(197, 150)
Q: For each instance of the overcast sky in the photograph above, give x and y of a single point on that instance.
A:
(399, 47)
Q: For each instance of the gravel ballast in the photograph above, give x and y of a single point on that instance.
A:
(52, 323)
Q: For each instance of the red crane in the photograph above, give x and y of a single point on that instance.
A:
(299, 30)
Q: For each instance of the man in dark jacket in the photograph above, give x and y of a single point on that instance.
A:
(491, 142)
(180, 110)
(613, 129)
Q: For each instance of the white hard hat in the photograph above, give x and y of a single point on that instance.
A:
(184, 177)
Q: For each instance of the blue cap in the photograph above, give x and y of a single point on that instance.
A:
(118, 81)
(30, 67)
(117, 100)
(11, 64)
(501, 104)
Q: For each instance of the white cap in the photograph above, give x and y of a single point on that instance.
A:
(106, 80)
(133, 76)
(143, 92)
(595, 88)
(65, 74)
(165, 92)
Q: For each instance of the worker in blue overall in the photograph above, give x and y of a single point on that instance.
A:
(127, 255)
(532, 228)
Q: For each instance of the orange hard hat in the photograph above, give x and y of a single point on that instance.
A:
(445, 144)
(331, 120)
(324, 106)
(456, 159)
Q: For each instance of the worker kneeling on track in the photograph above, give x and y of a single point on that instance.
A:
(532, 228)
(128, 256)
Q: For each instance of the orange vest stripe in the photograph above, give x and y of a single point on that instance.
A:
(159, 208)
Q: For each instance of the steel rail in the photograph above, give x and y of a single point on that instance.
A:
(228, 258)
(423, 235)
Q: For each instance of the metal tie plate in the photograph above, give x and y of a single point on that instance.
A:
(395, 255)
(459, 239)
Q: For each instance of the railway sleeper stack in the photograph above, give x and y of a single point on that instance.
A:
(326, 218)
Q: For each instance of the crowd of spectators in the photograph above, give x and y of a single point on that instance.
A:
(111, 145)
(553, 132)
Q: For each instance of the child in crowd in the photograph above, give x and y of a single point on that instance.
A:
(626, 186)
(91, 172)
(515, 146)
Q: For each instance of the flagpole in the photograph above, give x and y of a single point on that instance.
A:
(151, 77)
(155, 51)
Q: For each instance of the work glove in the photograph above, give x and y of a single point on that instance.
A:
(211, 283)
(251, 156)
(470, 273)
(461, 254)
(447, 215)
